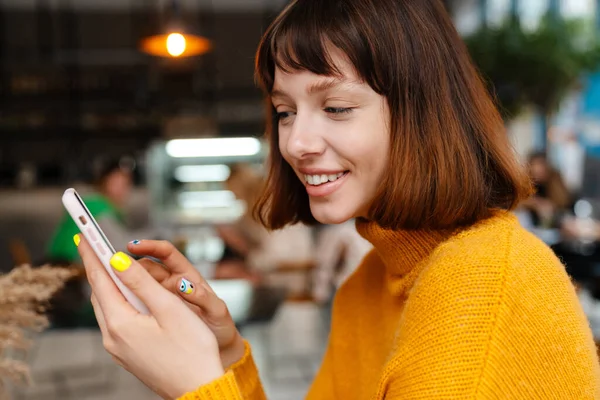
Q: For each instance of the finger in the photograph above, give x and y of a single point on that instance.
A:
(159, 300)
(107, 340)
(168, 254)
(106, 292)
(90, 261)
(197, 295)
(99, 316)
(156, 270)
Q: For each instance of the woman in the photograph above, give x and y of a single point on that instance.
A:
(257, 255)
(71, 307)
(252, 252)
(112, 185)
(551, 194)
(341, 250)
(378, 115)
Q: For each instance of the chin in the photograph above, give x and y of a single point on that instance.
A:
(330, 214)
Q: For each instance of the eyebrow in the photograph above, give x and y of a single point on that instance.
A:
(324, 85)
(317, 87)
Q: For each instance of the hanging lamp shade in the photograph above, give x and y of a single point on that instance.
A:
(175, 41)
(175, 44)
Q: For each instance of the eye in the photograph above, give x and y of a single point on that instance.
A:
(182, 287)
(283, 115)
(337, 110)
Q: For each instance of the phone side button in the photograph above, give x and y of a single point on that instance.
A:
(92, 235)
(101, 249)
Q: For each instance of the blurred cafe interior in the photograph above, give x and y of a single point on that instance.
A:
(155, 101)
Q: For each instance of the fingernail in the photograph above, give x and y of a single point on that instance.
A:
(135, 241)
(186, 286)
(120, 262)
(77, 239)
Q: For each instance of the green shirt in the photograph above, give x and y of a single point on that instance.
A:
(61, 246)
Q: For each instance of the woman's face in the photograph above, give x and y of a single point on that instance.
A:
(334, 132)
(117, 187)
(538, 170)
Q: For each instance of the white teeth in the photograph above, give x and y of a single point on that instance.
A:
(320, 179)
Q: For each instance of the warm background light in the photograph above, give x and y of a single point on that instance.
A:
(176, 44)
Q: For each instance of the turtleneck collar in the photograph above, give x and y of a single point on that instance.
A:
(405, 253)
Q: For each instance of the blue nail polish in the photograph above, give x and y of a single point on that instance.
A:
(136, 241)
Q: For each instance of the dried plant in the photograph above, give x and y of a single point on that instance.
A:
(24, 295)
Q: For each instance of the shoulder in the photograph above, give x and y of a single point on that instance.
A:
(494, 268)
(499, 248)
(495, 300)
(504, 283)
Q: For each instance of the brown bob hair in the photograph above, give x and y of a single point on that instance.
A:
(451, 163)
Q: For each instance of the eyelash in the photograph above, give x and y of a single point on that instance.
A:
(281, 115)
(330, 110)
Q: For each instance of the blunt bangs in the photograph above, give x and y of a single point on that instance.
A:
(291, 46)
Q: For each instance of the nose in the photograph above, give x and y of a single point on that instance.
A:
(304, 139)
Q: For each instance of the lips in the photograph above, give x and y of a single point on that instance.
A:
(325, 187)
(320, 179)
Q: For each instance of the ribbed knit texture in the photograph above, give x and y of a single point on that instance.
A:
(485, 313)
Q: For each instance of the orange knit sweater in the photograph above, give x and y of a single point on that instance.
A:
(484, 313)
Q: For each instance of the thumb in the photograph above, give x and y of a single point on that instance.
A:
(135, 277)
(204, 298)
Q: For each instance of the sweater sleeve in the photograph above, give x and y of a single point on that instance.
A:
(240, 382)
(494, 328)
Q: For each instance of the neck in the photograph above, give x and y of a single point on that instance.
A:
(405, 253)
(401, 250)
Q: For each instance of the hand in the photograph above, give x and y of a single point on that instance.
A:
(179, 276)
(172, 351)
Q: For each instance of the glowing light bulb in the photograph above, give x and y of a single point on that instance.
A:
(176, 44)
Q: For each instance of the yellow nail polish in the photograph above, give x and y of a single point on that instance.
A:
(120, 262)
(77, 240)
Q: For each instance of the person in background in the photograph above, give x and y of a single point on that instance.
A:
(244, 235)
(551, 197)
(258, 255)
(70, 307)
(113, 185)
(339, 252)
(579, 250)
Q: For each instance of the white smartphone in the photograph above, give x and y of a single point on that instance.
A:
(100, 244)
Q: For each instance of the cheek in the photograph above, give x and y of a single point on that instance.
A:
(369, 153)
(282, 143)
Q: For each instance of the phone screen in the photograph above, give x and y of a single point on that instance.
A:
(93, 221)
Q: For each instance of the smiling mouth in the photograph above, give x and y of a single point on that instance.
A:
(318, 180)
